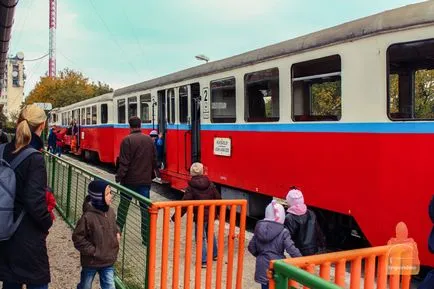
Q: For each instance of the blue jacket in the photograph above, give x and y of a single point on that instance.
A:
(159, 145)
(431, 236)
(52, 138)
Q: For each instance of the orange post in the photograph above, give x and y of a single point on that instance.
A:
(188, 241)
(220, 249)
(165, 248)
(311, 269)
(153, 213)
(176, 242)
(369, 272)
(231, 237)
(324, 271)
(199, 240)
(210, 245)
(241, 241)
(340, 273)
(356, 270)
(382, 272)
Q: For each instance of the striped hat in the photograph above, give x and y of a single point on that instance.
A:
(96, 191)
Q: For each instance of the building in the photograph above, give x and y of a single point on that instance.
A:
(12, 86)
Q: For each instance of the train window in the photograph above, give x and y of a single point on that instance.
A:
(171, 106)
(121, 111)
(411, 80)
(316, 90)
(104, 113)
(94, 114)
(144, 108)
(63, 118)
(83, 116)
(54, 117)
(132, 107)
(183, 104)
(223, 108)
(87, 115)
(262, 96)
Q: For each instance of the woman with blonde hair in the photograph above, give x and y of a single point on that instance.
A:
(23, 257)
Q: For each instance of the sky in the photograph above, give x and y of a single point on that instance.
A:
(126, 42)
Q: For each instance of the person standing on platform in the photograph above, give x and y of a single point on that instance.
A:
(270, 241)
(201, 188)
(302, 224)
(159, 145)
(137, 162)
(24, 257)
(3, 136)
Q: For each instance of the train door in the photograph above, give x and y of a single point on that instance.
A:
(189, 127)
(161, 107)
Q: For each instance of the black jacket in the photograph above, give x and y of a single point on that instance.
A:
(305, 232)
(3, 137)
(137, 160)
(24, 258)
(201, 188)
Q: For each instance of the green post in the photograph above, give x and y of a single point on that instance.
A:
(53, 171)
(68, 192)
(280, 281)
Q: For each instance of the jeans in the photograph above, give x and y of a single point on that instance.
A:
(124, 205)
(7, 285)
(59, 151)
(205, 242)
(106, 277)
(428, 282)
(264, 286)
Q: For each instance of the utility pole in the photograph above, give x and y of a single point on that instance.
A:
(52, 48)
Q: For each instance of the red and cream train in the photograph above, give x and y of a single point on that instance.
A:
(335, 112)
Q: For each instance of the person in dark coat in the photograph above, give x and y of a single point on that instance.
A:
(137, 162)
(24, 258)
(52, 141)
(201, 188)
(270, 240)
(97, 237)
(428, 282)
(3, 136)
(302, 224)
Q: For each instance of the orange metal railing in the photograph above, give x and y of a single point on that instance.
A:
(177, 250)
(393, 264)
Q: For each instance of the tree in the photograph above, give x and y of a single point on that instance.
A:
(68, 88)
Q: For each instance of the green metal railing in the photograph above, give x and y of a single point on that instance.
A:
(69, 184)
(283, 272)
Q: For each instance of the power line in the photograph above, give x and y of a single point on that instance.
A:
(112, 35)
(29, 8)
(139, 44)
(39, 58)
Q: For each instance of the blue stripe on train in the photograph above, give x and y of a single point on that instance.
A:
(372, 127)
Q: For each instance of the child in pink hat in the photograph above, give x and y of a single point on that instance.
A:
(302, 224)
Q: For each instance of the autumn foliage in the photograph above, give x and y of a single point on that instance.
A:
(67, 88)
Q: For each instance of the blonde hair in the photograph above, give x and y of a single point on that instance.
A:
(30, 118)
(196, 169)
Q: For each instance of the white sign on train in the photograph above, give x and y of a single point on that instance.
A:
(222, 146)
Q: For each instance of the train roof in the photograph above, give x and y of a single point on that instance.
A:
(399, 18)
(96, 99)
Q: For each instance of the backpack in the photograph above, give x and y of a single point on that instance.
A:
(7, 192)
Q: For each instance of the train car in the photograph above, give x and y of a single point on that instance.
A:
(345, 114)
(94, 119)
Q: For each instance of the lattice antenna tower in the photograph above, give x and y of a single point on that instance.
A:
(52, 48)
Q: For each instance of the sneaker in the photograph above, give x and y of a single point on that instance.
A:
(214, 259)
(203, 265)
